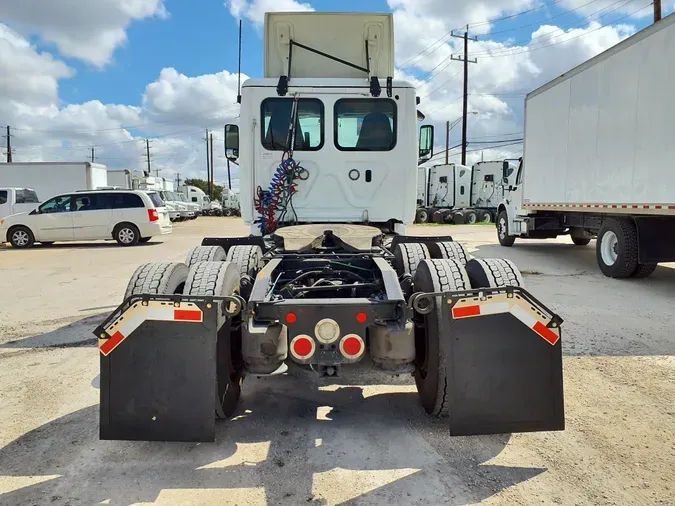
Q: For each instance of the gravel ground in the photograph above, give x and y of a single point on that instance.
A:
(365, 440)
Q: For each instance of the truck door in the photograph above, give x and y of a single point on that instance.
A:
(5, 205)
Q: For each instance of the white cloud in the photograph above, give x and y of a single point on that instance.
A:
(255, 10)
(84, 29)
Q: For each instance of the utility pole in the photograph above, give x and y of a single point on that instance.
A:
(208, 165)
(9, 145)
(211, 187)
(466, 83)
(447, 142)
(177, 180)
(657, 10)
(92, 154)
(147, 156)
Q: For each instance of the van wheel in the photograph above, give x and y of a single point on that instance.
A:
(503, 230)
(21, 237)
(126, 234)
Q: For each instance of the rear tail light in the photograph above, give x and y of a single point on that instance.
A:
(352, 346)
(153, 215)
(302, 347)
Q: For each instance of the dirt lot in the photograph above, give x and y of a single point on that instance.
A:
(297, 440)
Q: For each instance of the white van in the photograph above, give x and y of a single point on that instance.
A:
(128, 216)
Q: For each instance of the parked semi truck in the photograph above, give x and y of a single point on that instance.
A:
(598, 155)
(328, 277)
(453, 193)
(52, 178)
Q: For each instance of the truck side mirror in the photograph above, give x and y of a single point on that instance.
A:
(232, 142)
(426, 143)
(505, 169)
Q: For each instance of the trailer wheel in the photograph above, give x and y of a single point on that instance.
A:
(503, 230)
(157, 278)
(616, 248)
(493, 273)
(644, 270)
(471, 218)
(246, 258)
(407, 257)
(221, 279)
(21, 237)
(205, 254)
(422, 215)
(449, 249)
(431, 348)
(485, 216)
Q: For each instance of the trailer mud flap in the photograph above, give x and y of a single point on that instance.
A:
(158, 370)
(504, 363)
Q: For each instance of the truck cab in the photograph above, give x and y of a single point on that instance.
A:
(333, 114)
(17, 200)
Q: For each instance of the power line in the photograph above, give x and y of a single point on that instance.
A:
(441, 86)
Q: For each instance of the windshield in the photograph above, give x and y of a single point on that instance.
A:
(181, 197)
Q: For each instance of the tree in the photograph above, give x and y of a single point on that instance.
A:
(204, 186)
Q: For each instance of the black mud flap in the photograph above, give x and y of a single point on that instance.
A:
(158, 370)
(504, 363)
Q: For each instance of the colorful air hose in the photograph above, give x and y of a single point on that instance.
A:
(272, 204)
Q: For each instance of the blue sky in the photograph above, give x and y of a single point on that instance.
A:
(88, 72)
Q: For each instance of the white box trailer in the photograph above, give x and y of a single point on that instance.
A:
(598, 157)
(51, 178)
(120, 178)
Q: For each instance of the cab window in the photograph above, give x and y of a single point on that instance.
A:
(365, 124)
(26, 197)
(276, 115)
(3, 196)
(59, 204)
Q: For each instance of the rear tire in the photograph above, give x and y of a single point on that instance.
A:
(205, 254)
(407, 257)
(248, 259)
(21, 237)
(449, 249)
(503, 230)
(126, 234)
(644, 270)
(158, 278)
(431, 349)
(470, 218)
(616, 248)
(422, 215)
(493, 273)
(485, 216)
(221, 279)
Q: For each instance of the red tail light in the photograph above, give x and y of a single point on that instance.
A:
(302, 347)
(352, 346)
(153, 215)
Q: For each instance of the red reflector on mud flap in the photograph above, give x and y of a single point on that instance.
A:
(185, 315)
(545, 332)
(463, 312)
(111, 343)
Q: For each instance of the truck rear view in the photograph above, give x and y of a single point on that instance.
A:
(598, 155)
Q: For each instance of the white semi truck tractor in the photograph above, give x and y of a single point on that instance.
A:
(327, 276)
(598, 157)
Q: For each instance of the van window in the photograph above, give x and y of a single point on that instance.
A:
(59, 204)
(276, 116)
(26, 197)
(156, 199)
(365, 124)
(92, 202)
(3, 196)
(126, 201)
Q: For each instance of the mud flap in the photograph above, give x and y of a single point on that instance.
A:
(158, 370)
(504, 363)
